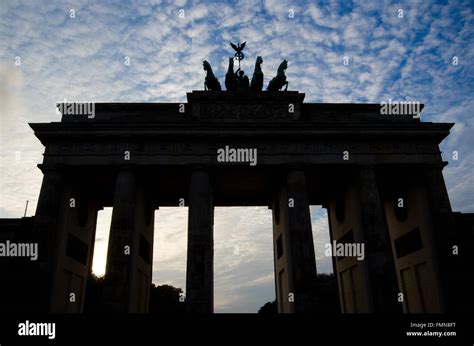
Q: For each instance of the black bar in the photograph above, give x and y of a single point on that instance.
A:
(104, 329)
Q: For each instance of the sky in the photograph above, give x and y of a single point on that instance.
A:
(152, 51)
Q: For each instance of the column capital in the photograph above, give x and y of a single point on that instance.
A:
(125, 167)
(49, 169)
(199, 168)
(359, 168)
(296, 178)
(294, 167)
(435, 167)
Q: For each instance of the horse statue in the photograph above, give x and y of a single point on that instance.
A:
(280, 80)
(257, 78)
(210, 83)
(230, 79)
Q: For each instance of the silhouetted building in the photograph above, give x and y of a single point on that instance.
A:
(379, 176)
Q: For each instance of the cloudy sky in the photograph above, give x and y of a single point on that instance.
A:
(79, 50)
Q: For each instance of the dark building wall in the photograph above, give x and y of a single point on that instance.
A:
(19, 276)
(461, 287)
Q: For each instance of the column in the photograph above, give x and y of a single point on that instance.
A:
(344, 227)
(48, 213)
(444, 234)
(378, 250)
(129, 256)
(412, 233)
(76, 236)
(200, 261)
(295, 264)
(327, 206)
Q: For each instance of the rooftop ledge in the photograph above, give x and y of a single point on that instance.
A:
(239, 106)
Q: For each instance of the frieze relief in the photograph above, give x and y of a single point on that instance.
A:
(318, 148)
(244, 111)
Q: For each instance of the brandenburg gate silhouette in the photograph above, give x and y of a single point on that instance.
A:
(379, 177)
